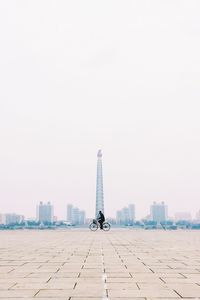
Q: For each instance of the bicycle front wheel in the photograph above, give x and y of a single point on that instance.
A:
(106, 226)
(93, 227)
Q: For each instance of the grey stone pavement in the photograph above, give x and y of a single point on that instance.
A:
(79, 265)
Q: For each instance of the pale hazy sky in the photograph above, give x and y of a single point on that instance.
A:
(76, 76)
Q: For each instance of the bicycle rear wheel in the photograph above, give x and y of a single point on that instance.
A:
(93, 226)
(106, 226)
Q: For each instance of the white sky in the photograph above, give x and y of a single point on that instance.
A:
(76, 76)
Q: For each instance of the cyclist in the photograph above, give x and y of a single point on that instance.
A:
(101, 219)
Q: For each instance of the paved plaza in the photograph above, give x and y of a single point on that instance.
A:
(79, 264)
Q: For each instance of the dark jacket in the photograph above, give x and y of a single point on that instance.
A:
(101, 217)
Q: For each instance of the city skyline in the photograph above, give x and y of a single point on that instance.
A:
(157, 211)
(72, 83)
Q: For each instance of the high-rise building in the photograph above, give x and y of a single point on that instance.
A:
(99, 185)
(119, 217)
(158, 212)
(75, 216)
(82, 217)
(126, 215)
(2, 219)
(13, 219)
(131, 209)
(69, 213)
(45, 212)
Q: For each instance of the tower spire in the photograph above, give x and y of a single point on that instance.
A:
(99, 185)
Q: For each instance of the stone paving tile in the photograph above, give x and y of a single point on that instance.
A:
(157, 286)
(142, 293)
(38, 275)
(180, 280)
(87, 292)
(28, 298)
(54, 293)
(132, 298)
(6, 286)
(131, 280)
(75, 298)
(171, 298)
(14, 275)
(17, 293)
(119, 275)
(92, 298)
(43, 286)
(80, 265)
(185, 292)
(169, 275)
(122, 286)
(23, 280)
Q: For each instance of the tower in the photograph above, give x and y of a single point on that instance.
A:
(99, 185)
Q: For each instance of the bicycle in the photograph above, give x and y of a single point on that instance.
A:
(95, 225)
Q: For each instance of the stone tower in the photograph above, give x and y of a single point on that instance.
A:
(99, 185)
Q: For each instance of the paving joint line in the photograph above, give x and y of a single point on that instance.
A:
(177, 293)
(48, 279)
(35, 293)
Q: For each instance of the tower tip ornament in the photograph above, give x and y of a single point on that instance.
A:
(99, 154)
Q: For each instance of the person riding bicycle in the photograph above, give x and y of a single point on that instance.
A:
(101, 219)
(99, 222)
